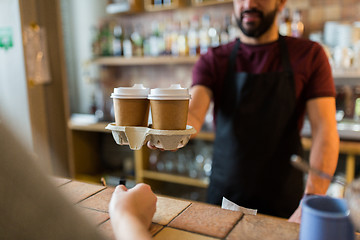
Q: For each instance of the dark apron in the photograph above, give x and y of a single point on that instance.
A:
(256, 133)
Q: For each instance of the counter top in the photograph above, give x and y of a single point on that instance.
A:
(348, 130)
(179, 219)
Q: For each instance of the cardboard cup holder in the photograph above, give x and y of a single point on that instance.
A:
(136, 137)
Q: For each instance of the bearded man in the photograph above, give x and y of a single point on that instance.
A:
(262, 84)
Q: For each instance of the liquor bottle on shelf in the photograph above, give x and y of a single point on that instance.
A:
(193, 37)
(174, 36)
(224, 34)
(137, 41)
(154, 39)
(106, 40)
(167, 2)
(127, 44)
(95, 44)
(182, 39)
(157, 2)
(297, 26)
(204, 39)
(285, 23)
(117, 41)
(167, 38)
(214, 35)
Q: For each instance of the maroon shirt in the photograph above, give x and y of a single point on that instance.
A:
(312, 72)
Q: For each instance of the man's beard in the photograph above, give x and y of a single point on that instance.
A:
(256, 30)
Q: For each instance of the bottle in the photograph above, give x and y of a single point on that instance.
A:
(95, 44)
(117, 41)
(193, 37)
(157, 2)
(285, 23)
(137, 41)
(105, 40)
(167, 39)
(204, 39)
(127, 45)
(297, 26)
(214, 35)
(182, 39)
(154, 38)
(224, 34)
(167, 2)
(174, 36)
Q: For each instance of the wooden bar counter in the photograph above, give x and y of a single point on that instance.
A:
(178, 219)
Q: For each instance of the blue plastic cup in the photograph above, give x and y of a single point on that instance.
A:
(325, 218)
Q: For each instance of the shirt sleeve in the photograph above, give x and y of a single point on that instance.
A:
(203, 71)
(321, 82)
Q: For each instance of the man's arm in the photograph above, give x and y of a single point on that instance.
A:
(199, 104)
(325, 142)
(325, 146)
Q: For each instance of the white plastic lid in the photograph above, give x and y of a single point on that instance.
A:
(136, 91)
(174, 92)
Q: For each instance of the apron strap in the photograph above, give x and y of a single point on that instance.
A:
(232, 58)
(285, 59)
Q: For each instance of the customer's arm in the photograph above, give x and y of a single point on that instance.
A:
(131, 212)
(31, 207)
(325, 145)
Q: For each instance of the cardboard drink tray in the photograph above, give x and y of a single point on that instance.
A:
(136, 137)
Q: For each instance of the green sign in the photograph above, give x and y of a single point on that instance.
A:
(6, 38)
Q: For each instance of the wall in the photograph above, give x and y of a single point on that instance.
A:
(78, 19)
(14, 110)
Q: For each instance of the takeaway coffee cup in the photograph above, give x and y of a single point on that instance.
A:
(169, 107)
(325, 218)
(131, 106)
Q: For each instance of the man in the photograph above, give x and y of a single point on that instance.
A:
(261, 86)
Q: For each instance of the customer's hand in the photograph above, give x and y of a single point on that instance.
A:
(131, 211)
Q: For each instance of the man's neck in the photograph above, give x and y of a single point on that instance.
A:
(269, 36)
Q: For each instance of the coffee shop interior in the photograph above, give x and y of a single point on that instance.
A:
(94, 46)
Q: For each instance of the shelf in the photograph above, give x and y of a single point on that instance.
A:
(140, 61)
(209, 3)
(166, 177)
(125, 7)
(207, 136)
(89, 127)
(347, 78)
(175, 4)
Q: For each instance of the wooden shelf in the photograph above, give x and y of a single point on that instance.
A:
(125, 7)
(194, 3)
(207, 136)
(141, 61)
(350, 78)
(166, 177)
(176, 4)
(89, 127)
